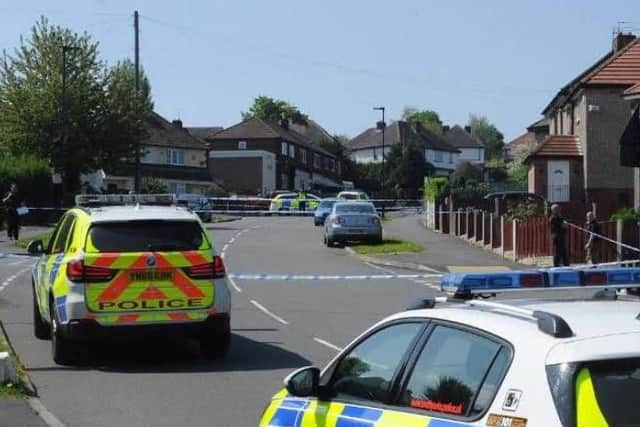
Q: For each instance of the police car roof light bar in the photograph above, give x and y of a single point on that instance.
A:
(89, 200)
(549, 323)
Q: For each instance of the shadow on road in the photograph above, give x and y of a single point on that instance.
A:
(183, 355)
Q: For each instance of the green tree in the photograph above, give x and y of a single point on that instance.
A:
(429, 119)
(465, 174)
(151, 185)
(407, 167)
(486, 132)
(126, 116)
(274, 110)
(91, 126)
(518, 170)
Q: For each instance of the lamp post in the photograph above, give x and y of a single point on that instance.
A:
(63, 110)
(382, 125)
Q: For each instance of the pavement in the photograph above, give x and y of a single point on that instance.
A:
(277, 326)
(9, 246)
(442, 252)
(18, 413)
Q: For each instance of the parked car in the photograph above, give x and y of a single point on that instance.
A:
(352, 221)
(352, 195)
(294, 201)
(197, 203)
(323, 210)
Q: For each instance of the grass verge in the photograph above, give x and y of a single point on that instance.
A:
(22, 243)
(10, 390)
(388, 246)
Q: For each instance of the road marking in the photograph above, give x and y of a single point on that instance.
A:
(48, 418)
(268, 313)
(13, 277)
(327, 344)
(377, 267)
(233, 239)
(225, 247)
(233, 283)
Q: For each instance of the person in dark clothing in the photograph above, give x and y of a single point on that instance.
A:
(592, 247)
(13, 219)
(558, 227)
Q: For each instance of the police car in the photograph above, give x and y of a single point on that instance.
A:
(476, 362)
(117, 264)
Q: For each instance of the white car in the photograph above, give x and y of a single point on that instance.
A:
(352, 195)
(571, 363)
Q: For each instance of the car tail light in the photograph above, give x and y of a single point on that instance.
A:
(338, 220)
(78, 272)
(373, 220)
(210, 270)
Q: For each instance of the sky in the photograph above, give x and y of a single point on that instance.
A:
(337, 59)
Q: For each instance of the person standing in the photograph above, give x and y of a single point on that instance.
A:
(558, 228)
(13, 219)
(592, 247)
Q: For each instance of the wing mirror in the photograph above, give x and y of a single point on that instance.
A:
(35, 247)
(303, 382)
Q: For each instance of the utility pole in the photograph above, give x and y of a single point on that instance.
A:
(136, 30)
(382, 126)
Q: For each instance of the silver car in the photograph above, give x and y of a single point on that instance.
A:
(350, 221)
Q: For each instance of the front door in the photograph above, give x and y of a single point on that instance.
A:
(558, 181)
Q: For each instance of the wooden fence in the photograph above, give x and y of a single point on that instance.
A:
(530, 238)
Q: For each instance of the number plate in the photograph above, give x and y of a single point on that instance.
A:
(151, 276)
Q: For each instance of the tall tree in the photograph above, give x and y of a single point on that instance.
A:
(429, 119)
(338, 146)
(125, 115)
(486, 132)
(274, 110)
(407, 167)
(76, 129)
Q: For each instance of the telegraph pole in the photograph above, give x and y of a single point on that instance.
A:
(382, 125)
(136, 30)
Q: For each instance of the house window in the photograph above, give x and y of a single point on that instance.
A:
(284, 149)
(242, 145)
(332, 165)
(175, 157)
(479, 151)
(317, 161)
(303, 155)
(437, 156)
(450, 157)
(292, 151)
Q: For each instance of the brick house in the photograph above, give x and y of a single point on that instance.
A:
(367, 146)
(257, 157)
(169, 153)
(579, 161)
(535, 134)
(630, 141)
(471, 149)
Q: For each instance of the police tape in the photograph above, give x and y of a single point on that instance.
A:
(605, 238)
(289, 277)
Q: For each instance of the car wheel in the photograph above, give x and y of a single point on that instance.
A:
(41, 329)
(63, 350)
(216, 345)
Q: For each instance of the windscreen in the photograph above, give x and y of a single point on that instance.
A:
(355, 208)
(349, 196)
(616, 384)
(140, 236)
(327, 204)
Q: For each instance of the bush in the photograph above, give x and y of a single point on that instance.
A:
(626, 215)
(525, 210)
(150, 185)
(33, 177)
(434, 187)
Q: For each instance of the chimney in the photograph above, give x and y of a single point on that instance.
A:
(445, 128)
(620, 40)
(468, 129)
(177, 123)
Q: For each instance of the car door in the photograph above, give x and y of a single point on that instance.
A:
(52, 261)
(358, 385)
(455, 376)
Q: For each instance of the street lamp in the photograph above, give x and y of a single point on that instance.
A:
(63, 110)
(381, 125)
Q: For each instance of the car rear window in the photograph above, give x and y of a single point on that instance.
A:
(327, 203)
(139, 236)
(355, 208)
(616, 384)
(349, 196)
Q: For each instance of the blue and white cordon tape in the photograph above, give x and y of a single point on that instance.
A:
(287, 277)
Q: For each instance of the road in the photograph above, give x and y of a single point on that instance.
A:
(277, 326)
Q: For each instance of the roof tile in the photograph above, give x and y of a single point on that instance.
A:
(559, 146)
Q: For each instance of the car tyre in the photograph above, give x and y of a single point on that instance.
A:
(63, 350)
(216, 345)
(41, 329)
(328, 241)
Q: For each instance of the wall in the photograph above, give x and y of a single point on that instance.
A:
(158, 155)
(604, 128)
(246, 172)
(369, 155)
(537, 178)
(472, 155)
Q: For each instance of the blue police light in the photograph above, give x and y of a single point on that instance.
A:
(564, 277)
(464, 282)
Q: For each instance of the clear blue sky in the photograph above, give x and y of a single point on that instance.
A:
(336, 59)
